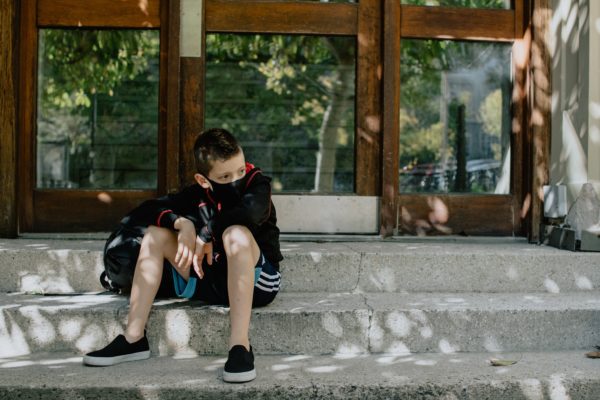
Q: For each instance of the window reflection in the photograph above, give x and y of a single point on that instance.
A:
(290, 101)
(97, 115)
(455, 117)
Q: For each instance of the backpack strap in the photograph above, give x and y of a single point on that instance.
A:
(107, 284)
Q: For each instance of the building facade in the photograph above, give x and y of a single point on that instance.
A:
(372, 116)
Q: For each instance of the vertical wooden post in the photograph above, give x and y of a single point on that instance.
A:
(193, 68)
(520, 132)
(460, 183)
(391, 117)
(8, 120)
(368, 94)
(27, 113)
(541, 109)
(169, 148)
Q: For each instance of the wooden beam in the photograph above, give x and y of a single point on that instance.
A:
(111, 205)
(28, 40)
(98, 13)
(521, 17)
(8, 120)
(169, 145)
(458, 23)
(369, 72)
(456, 214)
(391, 117)
(193, 68)
(192, 112)
(256, 16)
(520, 132)
(541, 110)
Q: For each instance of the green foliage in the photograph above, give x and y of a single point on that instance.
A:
(78, 64)
(98, 97)
(490, 114)
(279, 94)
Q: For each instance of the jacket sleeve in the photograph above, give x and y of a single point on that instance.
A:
(164, 211)
(253, 210)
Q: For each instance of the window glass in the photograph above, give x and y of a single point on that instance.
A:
(461, 3)
(455, 117)
(290, 102)
(97, 115)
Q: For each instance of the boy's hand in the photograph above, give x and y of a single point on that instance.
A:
(186, 245)
(202, 249)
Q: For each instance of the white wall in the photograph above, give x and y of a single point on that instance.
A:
(594, 92)
(575, 49)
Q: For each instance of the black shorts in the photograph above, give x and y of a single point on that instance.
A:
(212, 288)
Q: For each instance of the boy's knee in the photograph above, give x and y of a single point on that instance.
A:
(237, 238)
(156, 235)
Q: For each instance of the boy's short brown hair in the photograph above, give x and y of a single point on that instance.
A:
(214, 144)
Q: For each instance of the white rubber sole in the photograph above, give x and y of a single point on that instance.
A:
(107, 361)
(239, 377)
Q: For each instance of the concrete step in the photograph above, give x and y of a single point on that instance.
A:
(536, 376)
(493, 265)
(314, 323)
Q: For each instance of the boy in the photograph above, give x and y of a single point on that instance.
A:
(219, 240)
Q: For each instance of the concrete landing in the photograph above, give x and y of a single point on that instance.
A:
(536, 376)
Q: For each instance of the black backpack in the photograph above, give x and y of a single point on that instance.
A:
(122, 247)
(121, 252)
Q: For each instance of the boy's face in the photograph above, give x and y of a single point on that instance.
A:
(224, 171)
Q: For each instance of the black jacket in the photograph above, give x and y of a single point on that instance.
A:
(255, 210)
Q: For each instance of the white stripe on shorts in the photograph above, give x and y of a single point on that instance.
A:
(276, 276)
(265, 289)
(268, 283)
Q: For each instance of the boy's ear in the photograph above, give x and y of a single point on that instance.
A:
(202, 181)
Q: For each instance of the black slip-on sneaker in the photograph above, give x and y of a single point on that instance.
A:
(239, 367)
(118, 351)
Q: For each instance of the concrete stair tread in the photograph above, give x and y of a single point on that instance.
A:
(295, 302)
(556, 375)
(318, 323)
(491, 265)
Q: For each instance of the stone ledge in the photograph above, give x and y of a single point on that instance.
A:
(314, 323)
(492, 265)
(554, 375)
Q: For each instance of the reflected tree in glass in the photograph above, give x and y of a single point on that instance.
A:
(290, 101)
(455, 116)
(97, 119)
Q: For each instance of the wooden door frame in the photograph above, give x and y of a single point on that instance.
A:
(43, 210)
(362, 19)
(376, 139)
(514, 214)
(8, 118)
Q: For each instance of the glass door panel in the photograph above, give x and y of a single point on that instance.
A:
(455, 120)
(290, 100)
(97, 115)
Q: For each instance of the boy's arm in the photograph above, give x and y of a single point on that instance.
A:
(164, 211)
(253, 209)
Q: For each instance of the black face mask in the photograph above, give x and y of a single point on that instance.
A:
(228, 194)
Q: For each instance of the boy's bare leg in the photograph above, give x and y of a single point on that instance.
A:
(242, 255)
(157, 244)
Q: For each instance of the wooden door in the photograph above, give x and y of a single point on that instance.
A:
(299, 83)
(455, 142)
(98, 110)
